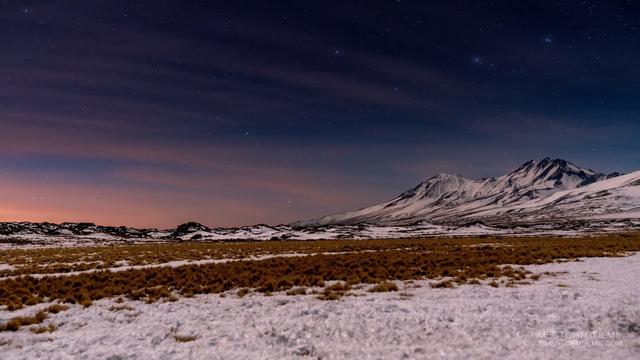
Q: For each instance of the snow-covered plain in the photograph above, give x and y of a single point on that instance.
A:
(591, 311)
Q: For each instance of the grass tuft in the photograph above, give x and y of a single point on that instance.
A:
(184, 338)
(385, 286)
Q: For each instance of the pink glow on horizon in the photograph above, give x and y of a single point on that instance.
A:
(232, 200)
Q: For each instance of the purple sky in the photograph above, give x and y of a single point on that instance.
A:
(240, 112)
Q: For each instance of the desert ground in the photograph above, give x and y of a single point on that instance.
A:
(466, 297)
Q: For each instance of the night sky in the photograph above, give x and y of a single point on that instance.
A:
(151, 113)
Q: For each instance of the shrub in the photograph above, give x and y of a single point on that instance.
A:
(384, 286)
(184, 338)
(297, 291)
(442, 284)
(242, 292)
(15, 323)
(44, 329)
(339, 286)
(330, 295)
(56, 308)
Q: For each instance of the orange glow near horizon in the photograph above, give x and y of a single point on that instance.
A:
(162, 200)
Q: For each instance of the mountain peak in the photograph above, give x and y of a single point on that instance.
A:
(552, 174)
(554, 162)
(544, 162)
(548, 163)
(445, 176)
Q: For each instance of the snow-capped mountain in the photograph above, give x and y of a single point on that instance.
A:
(447, 198)
(551, 196)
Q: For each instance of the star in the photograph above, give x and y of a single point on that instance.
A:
(548, 40)
(476, 60)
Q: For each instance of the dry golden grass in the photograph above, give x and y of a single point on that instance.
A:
(56, 308)
(448, 261)
(330, 295)
(184, 338)
(335, 291)
(64, 260)
(17, 322)
(43, 329)
(384, 286)
(339, 286)
(117, 308)
(243, 292)
(297, 291)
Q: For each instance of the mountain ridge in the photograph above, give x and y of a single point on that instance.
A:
(452, 198)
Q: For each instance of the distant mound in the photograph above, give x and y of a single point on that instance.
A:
(188, 228)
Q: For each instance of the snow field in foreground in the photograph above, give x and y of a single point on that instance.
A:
(593, 311)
